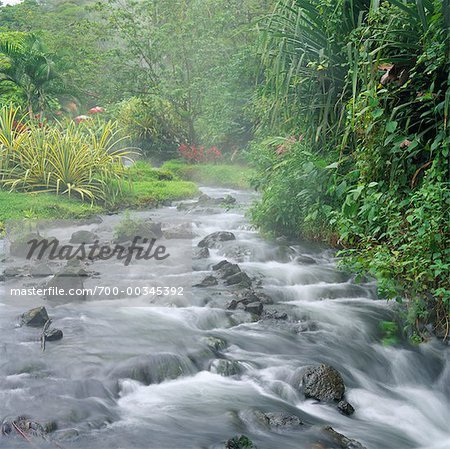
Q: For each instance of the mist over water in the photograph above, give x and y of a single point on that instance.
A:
(139, 373)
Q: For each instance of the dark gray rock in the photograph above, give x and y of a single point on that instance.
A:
(225, 367)
(256, 308)
(220, 265)
(229, 200)
(54, 335)
(341, 440)
(228, 270)
(96, 219)
(233, 305)
(274, 315)
(323, 383)
(345, 408)
(212, 240)
(36, 317)
(216, 343)
(209, 281)
(202, 253)
(83, 236)
(282, 420)
(247, 297)
(206, 200)
(240, 279)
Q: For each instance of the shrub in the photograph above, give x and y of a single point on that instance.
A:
(151, 124)
(72, 161)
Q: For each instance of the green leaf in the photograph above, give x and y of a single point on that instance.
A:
(391, 126)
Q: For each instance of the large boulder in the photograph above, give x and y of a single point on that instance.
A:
(240, 279)
(226, 269)
(323, 383)
(255, 308)
(35, 317)
(213, 240)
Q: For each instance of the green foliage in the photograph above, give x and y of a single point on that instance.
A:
(390, 332)
(240, 442)
(294, 183)
(151, 186)
(374, 163)
(73, 160)
(157, 192)
(223, 175)
(152, 125)
(27, 72)
(197, 56)
(15, 206)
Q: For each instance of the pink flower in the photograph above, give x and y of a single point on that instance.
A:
(96, 110)
(82, 118)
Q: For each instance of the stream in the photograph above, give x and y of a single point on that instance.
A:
(146, 372)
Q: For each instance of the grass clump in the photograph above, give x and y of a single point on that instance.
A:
(16, 206)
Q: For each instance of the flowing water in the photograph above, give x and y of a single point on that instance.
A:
(139, 373)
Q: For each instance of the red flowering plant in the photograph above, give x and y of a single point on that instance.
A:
(199, 154)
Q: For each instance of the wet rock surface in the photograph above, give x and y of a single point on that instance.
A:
(323, 383)
(345, 408)
(36, 317)
(208, 281)
(213, 240)
(202, 253)
(54, 335)
(79, 237)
